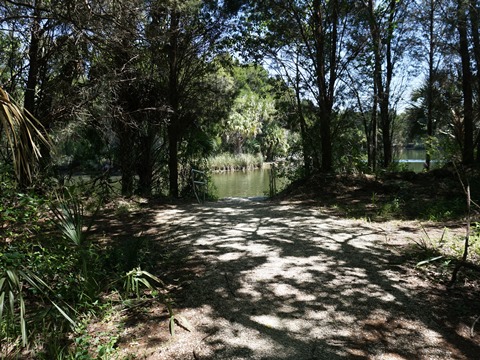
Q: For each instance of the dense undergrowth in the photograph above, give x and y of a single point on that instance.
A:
(54, 278)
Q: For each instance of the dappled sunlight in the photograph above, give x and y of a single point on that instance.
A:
(288, 282)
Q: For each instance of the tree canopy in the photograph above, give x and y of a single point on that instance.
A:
(151, 87)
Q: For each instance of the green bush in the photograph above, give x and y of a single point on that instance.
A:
(76, 274)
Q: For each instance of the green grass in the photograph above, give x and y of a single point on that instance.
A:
(436, 257)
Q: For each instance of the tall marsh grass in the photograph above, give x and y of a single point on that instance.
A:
(231, 162)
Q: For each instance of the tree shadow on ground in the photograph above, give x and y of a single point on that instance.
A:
(435, 195)
(275, 280)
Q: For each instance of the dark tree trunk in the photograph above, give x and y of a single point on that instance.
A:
(173, 161)
(387, 118)
(326, 140)
(126, 156)
(386, 132)
(145, 164)
(326, 82)
(24, 176)
(474, 19)
(374, 128)
(385, 92)
(377, 75)
(382, 92)
(173, 126)
(33, 54)
(467, 79)
(431, 53)
(124, 122)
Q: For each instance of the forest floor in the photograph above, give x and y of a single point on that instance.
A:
(323, 271)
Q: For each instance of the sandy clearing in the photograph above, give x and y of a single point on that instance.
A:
(285, 281)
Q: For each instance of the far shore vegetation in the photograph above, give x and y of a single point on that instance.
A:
(231, 162)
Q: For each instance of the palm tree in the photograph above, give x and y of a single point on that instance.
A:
(22, 131)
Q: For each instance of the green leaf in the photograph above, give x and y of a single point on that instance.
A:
(2, 302)
(424, 262)
(36, 282)
(23, 325)
(171, 325)
(64, 314)
(13, 278)
(11, 298)
(20, 129)
(183, 322)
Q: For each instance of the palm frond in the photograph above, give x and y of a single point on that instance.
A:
(11, 287)
(22, 131)
(12, 300)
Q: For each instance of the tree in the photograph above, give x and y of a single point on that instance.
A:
(431, 73)
(447, 100)
(326, 18)
(426, 15)
(467, 80)
(115, 70)
(253, 106)
(383, 17)
(475, 20)
(189, 34)
(306, 43)
(244, 121)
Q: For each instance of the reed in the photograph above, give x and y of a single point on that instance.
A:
(231, 162)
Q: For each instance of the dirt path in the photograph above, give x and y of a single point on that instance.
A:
(285, 281)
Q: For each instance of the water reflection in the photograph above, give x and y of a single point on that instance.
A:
(242, 183)
(256, 182)
(414, 159)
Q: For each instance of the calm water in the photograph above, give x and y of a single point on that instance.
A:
(256, 183)
(242, 183)
(414, 159)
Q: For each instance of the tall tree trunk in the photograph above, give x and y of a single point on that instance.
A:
(431, 53)
(385, 97)
(377, 76)
(173, 97)
(24, 178)
(303, 125)
(374, 128)
(124, 121)
(467, 79)
(126, 155)
(474, 19)
(325, 82)
(33, 54)
(383, 89)
(386, 130)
